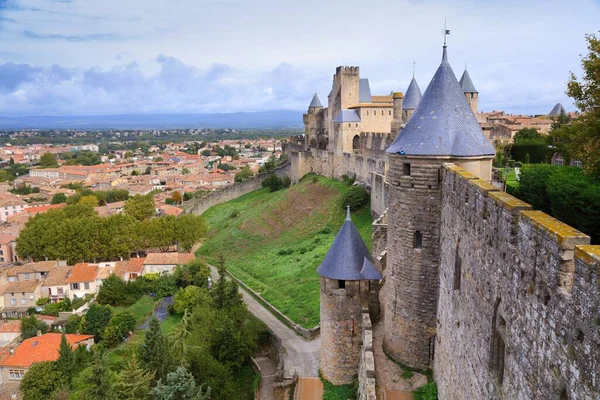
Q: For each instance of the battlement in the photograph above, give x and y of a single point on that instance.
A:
(347, 70)
(524, 287)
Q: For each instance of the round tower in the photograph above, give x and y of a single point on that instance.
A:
(312, 122)
(347, 276)
(471, 94)
(443, 129)
(411, 100)
(397, 120)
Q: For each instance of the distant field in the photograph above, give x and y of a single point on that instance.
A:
(275, 241)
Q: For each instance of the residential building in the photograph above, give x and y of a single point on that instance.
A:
(7, 249)
(10, 205)
(130, 270)
(18, 297)
(55, 287)
(158, 263)
(82, 280)
(37, 349)
(9, 331)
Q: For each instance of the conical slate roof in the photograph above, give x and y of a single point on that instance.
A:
(466, 83)
(315, 103)
(555, 112)
(443, 124)
(413, 95)
(348, 258)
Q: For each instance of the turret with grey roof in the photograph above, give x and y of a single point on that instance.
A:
(315, 103)
(348, 258)
(443, 124)
(556, 110)
(466, 83)
(413, 95)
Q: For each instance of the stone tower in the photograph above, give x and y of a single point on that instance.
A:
(471, 94)
(348, 279)
(312, 121)
(398, 120)
(411, 100)
(442, 129)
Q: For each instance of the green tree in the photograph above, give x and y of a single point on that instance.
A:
(189, 229)
(356, 197)
(225, 292)
(89, 200)
(48, 160)
(94, 382)
(154, 351)
(527, 133)
(196, 273)
(159, 232)
(180, 385)
(128, 154)
(119, 327)
(273, 182)
(95, 320)
(243, 174)
(140, 207)
(580, 140)
(113, 291)
(188, 298)
(73, 324)
(41, 380)
(66, 362)
(31, 325)
(179, 336)
(176, 197)
(133, 383)
(59, 198)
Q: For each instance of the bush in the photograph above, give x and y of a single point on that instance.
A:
(427, 392)
(355, 197)
(118, 328)
(273, 182)
(286, 181)
(234, 214)
(73, 324)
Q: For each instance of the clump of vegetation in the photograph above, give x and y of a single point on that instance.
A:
(339, 392)
(427, 392)
(356, 197)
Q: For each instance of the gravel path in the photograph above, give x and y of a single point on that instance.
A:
(300, 355)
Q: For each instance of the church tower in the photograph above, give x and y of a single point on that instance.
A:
(348, 280)
(442, 129)
(471, 94)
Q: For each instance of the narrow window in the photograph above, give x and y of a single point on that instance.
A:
(418, 240)
(457, 270)
(341, 284)
(390, 112)
(406, 169)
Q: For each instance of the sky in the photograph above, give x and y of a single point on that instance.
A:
(91, 57)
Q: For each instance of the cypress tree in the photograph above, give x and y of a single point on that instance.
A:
(133, 383)
(154, 351)
(66, 362)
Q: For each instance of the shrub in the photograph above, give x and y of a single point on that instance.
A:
(355, 197)
(234, 214)
(273, 182)
(118, 328)
(427, 392)
(286, 181)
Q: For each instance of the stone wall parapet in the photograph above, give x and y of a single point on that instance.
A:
(366, 372)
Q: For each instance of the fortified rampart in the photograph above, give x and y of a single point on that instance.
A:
(519, 299)
(366, 374)
(219, 196)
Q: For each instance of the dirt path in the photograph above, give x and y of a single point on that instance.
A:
(267, 377)
(309, 389)
(300, 355)
(161, 311)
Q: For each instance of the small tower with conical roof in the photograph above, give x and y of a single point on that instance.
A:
(411, 100)
(347, 278)
(442, 129)
(471, 94)
(313, 120)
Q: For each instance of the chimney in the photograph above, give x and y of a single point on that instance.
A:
(38, 333)
(12, 351)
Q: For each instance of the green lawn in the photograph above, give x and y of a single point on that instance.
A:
(141, 309)
(275, 241)
(170, 323)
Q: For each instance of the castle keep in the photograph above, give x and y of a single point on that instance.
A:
(500, 301)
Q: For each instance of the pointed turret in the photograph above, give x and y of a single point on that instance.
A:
(348, 258)
(443, 124)
(315, 103)
(413, 95)
(556, 110)
(471, 94)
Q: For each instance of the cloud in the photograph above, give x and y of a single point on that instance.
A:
(92, 37)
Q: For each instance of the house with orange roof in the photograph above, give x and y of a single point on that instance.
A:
(7, 249)
(130, 270)
(82, 280)
(55, 286)
(158, 263)
(170, 210)
(9, 331)
(37, 349)
(10, 205)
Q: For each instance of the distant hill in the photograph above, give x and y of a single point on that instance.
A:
(240, 120)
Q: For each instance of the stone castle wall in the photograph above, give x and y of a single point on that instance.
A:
(200, 205)
(519, 299)
(366, 372)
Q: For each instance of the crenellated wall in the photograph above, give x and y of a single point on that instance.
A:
(366, 371)
(519, 299)
(219, 196)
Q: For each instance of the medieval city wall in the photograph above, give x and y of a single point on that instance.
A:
(519, 299)
(200, 205)
(366, 371)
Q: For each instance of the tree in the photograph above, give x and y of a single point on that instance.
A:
(73, 324)
(159, 232)
(31, 325)
(176, 197)
(189, 229)
(185, 171)
(48, 160)
(133, 383)
(119, 327)
(89, 200)
(180, 385)
(227, 345)
(95, 381)
(225, 292)
(527, 133)
(356, 197)
(196, 273)
(243, 174)
(95, 320)
(128, 154)
(41, 380)
(580, 140)
(113, 291)
(66, 363)
(273, 182)
(59, 198)
(188, 298)
(178, 337)
(154, 352)
(140, 207)
(205, 153)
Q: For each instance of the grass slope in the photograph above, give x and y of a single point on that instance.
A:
(275, 241)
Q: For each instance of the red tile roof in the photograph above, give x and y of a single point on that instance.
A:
(11, 327)
(168, 258)
(40, 348)
(43, 209)
(83, 272)
(6, 239)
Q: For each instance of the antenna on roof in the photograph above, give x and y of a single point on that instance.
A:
(446, 32)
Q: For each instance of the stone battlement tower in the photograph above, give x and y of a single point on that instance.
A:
(443, 129)
(348, 280)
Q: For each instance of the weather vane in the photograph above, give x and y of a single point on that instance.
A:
(445, 32)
